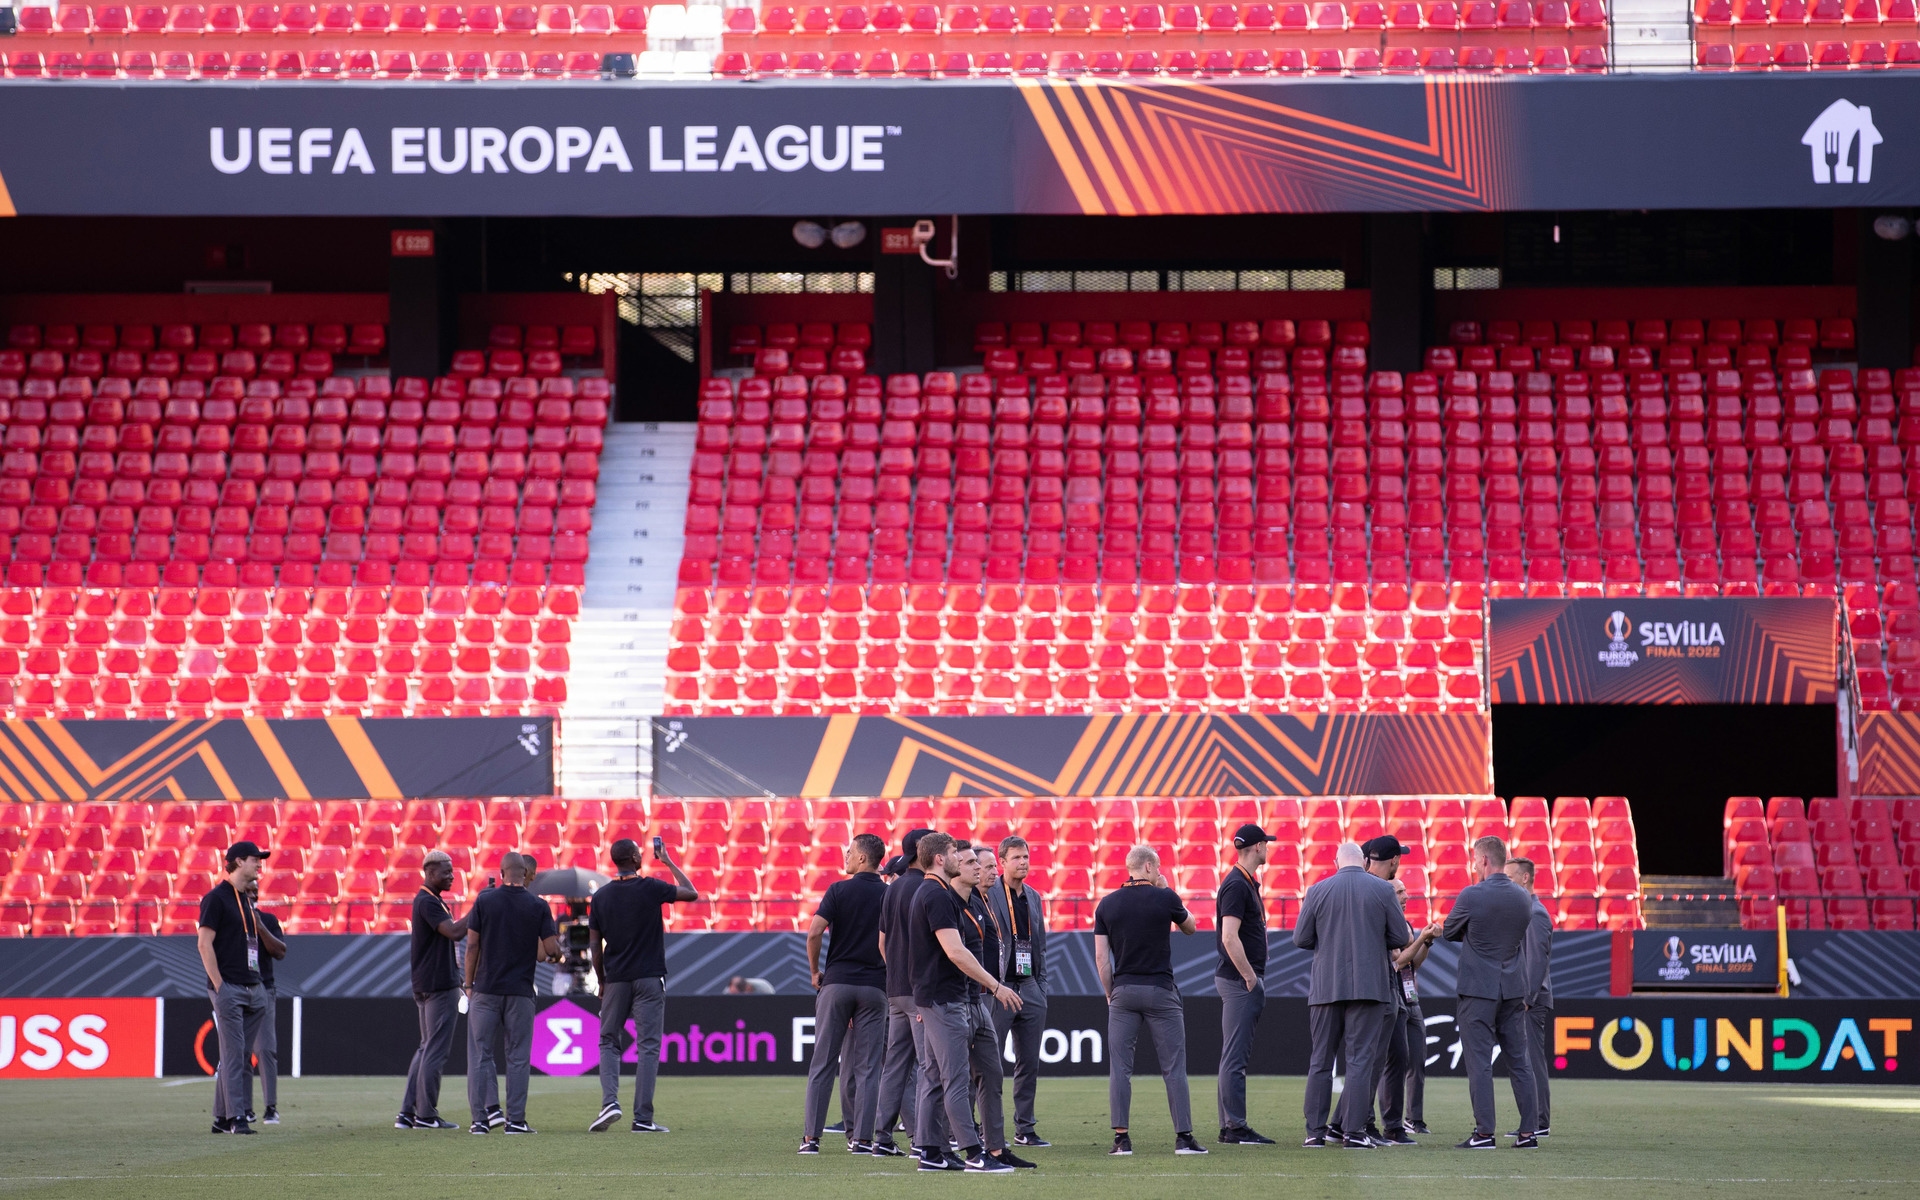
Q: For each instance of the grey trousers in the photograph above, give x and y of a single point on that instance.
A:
(1390, 1075)
(897, 1102)
(849, 1027)
(237, 1013)
(961, 1044)
(1240, 1008)
(487, 1016)
(1416, 1066)
(266, 1054)
(644, 1002)
(1347, 1031)
(1026, 1026)
(438, 1012)
(1541, 1017)
(1483, 1024)
(1160, 1009)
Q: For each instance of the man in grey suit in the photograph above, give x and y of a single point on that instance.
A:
(1490, 921)
(1539, 968)
(1019, 911)
(1350, 921)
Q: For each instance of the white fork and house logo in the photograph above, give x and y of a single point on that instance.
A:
(1832, 139)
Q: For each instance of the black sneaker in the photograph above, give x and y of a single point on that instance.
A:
(241, 1128)
(1008, 1157)
(273, 1116)
(935, 1160)
(1314, 1141)
(1122, 1145)
(1543, 1131)
(405, 1121)
(495, 1118)
(809, 1145)
(249, 1118)
(856, 1146)
(1184, 1143)
(839, 1127)
(979, 1162)
(1478, 1141)
(520, 1127)
(1529, 1142)
(1418, 1127)
(1398, 1137)
(640, 1126)
(1031, 1139)
(478, 1129)
(954, 1161)
(609, 1115)
(436, 1123)
(885, 1148)
(1243, 1135)
(220, 1125)
(1357, 1141)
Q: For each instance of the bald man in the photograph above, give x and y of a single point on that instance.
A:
(508, 931)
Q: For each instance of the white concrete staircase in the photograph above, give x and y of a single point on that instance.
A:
(620, 640)
(1651, 35)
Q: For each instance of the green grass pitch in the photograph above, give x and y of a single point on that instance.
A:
(107, 1139)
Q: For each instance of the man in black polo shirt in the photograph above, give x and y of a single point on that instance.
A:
(266, 1043)
(436, 994)
(508, 931)
(231, 943)
(947, 940)
(897, 1101)
(629, 948)
(1133, 952)
(851, 992)
(1240, 978)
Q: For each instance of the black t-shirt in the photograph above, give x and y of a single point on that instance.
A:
(272, 925)
(626, 913)
(1138, 922)
(935, 979)
(1239, 898)
(989, 952)
(893, 922)
(232, 922)
(432, 954)
(851, 909)
(511, 922)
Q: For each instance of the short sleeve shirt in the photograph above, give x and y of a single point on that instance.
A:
(1138, 922)
(232, 921)
(271, 924)
(935, 979)
(511, 922)
(1239, 898)
(432, 954)
(893, 922)
(626, 913)
(851, 909)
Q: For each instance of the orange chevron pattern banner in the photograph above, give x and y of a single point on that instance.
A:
(1668, 651)
(1178, 754)
(1889, 747)
(1130, 149)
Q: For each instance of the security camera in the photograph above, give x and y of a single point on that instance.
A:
(922, 233)
(810, 234)
(1892, 227)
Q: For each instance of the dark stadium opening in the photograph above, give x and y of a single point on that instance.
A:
(1676, 764)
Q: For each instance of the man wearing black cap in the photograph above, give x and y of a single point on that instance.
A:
(1490, 921)
(1240, 978)
(1403, 1082)
(436, 993)
(1350, 921)
(231, 943)
(896, 1100)
(1383, 856)
(628, 947)
(508, 930)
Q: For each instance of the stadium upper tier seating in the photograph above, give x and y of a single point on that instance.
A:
(1831, 865)
(349, 867)
(1123, 515)
(208, 520)
(268, 41)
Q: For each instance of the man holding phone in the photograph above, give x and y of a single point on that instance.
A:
(630, 958)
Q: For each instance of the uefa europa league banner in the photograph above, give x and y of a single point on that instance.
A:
(1748, 650)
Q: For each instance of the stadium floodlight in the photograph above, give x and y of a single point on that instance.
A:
(810, 234)
(848, 234)
(1892, 227)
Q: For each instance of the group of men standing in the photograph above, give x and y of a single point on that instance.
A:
(925, 979)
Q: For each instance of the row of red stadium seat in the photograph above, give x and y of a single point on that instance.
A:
(1829, 864)
(147, 863)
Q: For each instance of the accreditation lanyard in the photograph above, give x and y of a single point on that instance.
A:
(251, 930)
(1021, 961)
(1258, 901)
